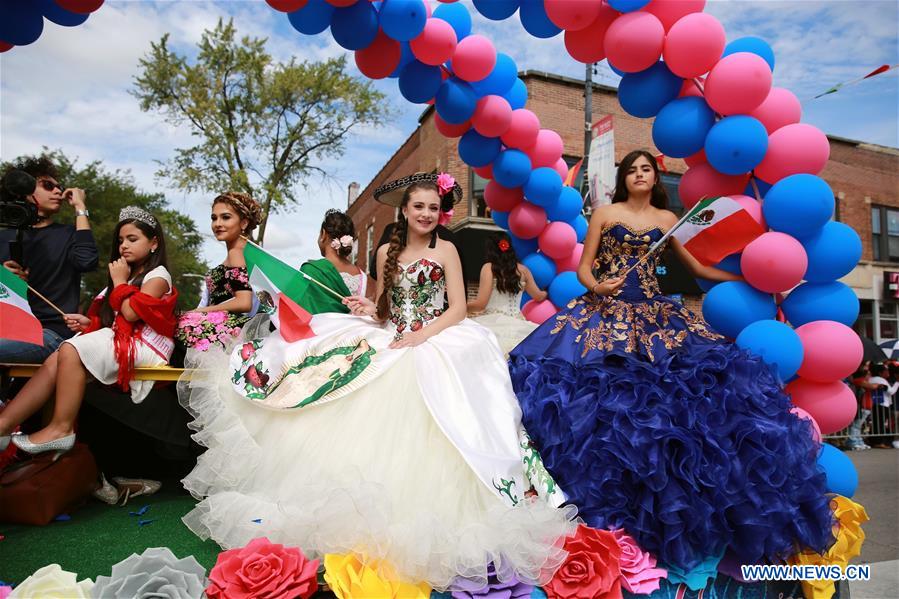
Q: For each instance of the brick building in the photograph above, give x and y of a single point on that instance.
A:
(864, 177)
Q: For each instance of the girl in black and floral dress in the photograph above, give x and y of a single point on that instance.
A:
(227, 302)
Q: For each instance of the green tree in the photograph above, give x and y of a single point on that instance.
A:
(262, 126)
(107, 193)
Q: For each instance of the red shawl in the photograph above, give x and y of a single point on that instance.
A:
(158, 313)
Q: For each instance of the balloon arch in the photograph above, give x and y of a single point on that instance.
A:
(714, 106)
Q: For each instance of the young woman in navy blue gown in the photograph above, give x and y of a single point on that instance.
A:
(654, 423)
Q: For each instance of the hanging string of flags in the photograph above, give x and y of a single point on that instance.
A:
(878, 71)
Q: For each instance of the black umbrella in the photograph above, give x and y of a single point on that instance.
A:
(872, 352)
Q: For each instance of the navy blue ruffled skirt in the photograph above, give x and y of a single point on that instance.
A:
(651, 422)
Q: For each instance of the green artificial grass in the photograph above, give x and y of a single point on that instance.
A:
(98, 536)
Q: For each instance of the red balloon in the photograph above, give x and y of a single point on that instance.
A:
(435, 44)
(341, 3)
(450, 130)
(484, 172)
(527, 220)
(586, 45)
(670, 12)
(287, 5)
(704, 181)
(5, 46)
(634, 42)
(572, 15)
(689, 88)
(697, 158)
(380, 58)
(80, 6)
(502, 199)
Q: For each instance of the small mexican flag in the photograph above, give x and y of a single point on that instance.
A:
(716, 228)
(17, 322)
(286, 286)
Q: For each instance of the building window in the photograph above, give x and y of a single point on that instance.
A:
(670, 181)
(888, 320)
(885, 233)
(865, 324)
(369, 247)
(477, 205)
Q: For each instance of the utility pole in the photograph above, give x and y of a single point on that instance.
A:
(588, 128)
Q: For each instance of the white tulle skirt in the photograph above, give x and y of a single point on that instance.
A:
(509, 330)
(370, 473)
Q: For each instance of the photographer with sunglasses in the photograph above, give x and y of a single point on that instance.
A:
(51, 259)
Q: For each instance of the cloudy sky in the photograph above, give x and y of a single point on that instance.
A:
(69, 90)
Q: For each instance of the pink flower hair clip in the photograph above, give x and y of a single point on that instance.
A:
(445, 183)
(345, 241)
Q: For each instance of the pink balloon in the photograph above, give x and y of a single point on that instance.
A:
(572, 15)
(793, 149)
(697, 158)
(557, 240)
(780, 108)
(547, 149)
(634, 41)
(832, 351)
(485, 171)
(571, 261)
(492, 116)
(689, 88)
(774, 262)
(586, 45)
(693, 45)
(704, 181)
(448, 129)
(502, 199)
(527, 220)
(474, 58)
(738, 84)
(816, 431)
(539, 312)
(523, 129)
(435, 44)
(751, 206)
(670, 11)
(561, 167)
(832, 405)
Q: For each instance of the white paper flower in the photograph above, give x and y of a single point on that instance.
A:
(154, 573)
(52, 582)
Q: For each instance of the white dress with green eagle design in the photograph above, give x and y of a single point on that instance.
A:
(415, 457)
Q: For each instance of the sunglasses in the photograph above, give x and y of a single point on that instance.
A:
(50, 185)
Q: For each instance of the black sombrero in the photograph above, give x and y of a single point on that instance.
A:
(392, 193)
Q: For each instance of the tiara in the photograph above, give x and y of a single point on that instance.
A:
(135, 213)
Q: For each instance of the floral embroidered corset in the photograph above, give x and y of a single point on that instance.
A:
(223, 282)
(621, 247)
(418, 296)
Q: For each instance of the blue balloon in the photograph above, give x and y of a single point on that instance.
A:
(455, 101)
(54, 12)
(402, 20)
(628, 5)
(512, 168)
(501, 219)
(840, 472)
(535, 21)
(542, 267)
(565, 287)
(457, 16)
(736, 144)
(617, 71)
(763, 186)
(406, 57)
(517, 96)
(645, 93)
(732, 306)
(580, 227)
(543, 187)
(313, 18)
(501, 78)
(752, 44)
(419, 82)
(775, 343)
(681, 126)
(476, 150)
(497, 10)
(355, 27)
(821, 301)
(832, 253)
(21, 22)
(730, 264)
(799, 205)
(568, 207)
(523, 247)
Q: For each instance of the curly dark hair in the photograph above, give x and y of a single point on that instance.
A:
(659, 197)
(504, 263)
(336, 224)
(36, 166)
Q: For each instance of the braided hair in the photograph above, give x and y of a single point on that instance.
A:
(337, 224)
(245, 207)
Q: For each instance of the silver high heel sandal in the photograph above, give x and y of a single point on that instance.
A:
(61, 445)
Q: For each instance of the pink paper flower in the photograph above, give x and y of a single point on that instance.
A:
(263, 569)
(216, 317)
(445, 183)
(202, 344)
(445, 217)
(639, 573)
(591, 570)
(5, 590)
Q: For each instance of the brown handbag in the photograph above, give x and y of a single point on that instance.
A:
(38, 490)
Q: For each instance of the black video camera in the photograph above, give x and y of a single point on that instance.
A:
(16, 212)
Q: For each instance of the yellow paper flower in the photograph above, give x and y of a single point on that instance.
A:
(52, 582)
(351, 579)
(849, 538)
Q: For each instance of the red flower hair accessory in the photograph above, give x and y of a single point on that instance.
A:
(503, 245)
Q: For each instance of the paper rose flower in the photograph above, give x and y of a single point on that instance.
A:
(154, 573)
(591, 570)
(639, 573)
(52, 582)
(5, 590)
(216, 317)
(849, 538)
(699, 575)
(262, 570)
(351, 579)
(445, 182)
(500, 584)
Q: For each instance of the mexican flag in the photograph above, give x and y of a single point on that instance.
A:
(17, 322)
(715, 228)
(285, 285)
